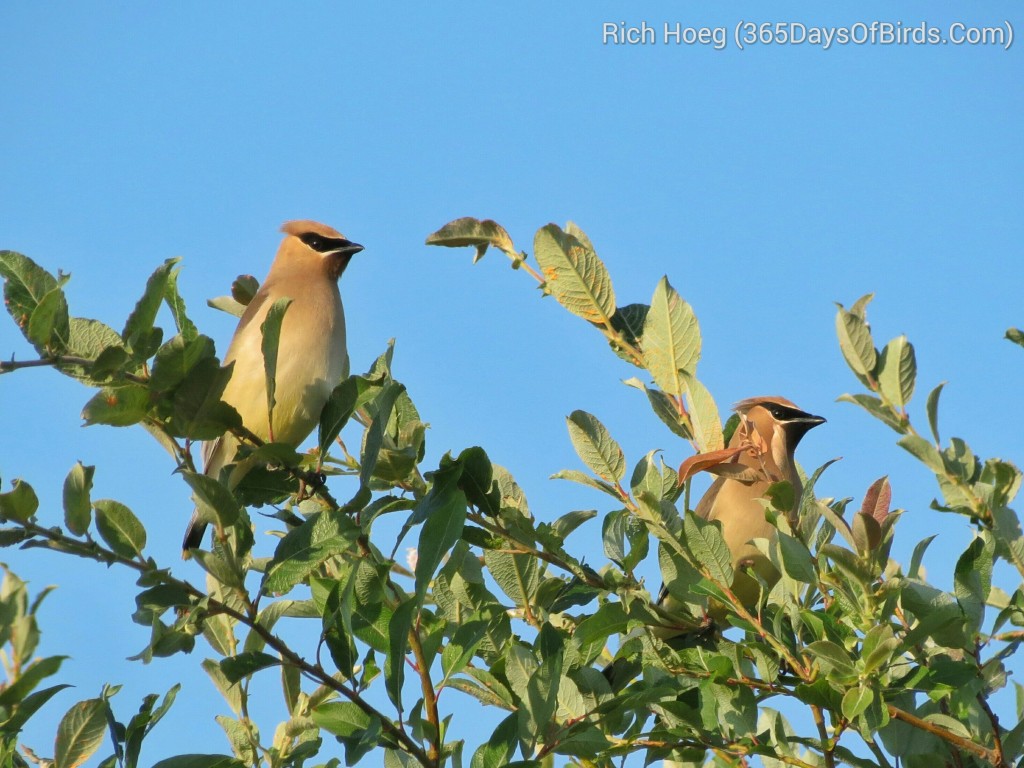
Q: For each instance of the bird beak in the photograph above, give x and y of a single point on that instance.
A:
(803, 424)
(349, 249)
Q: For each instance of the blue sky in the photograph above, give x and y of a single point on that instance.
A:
(766, 183)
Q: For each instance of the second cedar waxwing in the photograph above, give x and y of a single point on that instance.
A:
(762, 445)
(312, 358)
(770, 429)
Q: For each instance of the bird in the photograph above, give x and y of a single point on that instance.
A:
(312, 357)
(760, 452)
(768, 433)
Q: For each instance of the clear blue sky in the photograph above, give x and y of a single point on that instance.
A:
(767, 183)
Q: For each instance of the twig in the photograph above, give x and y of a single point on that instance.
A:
(429, 696)
(9, 366)
(827, 747)
(960, 742)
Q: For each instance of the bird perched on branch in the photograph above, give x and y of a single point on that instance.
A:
(761, 449)
(312, 357)
(760, 452)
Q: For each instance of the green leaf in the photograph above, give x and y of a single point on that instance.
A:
(629, 322)
(13, 696)
(972, 578)
(671, 339)
(477, 481)
(186, 328)
(28, 707)
(796, 559)
(832, 658)
(924, 451)
(117, 406)
(245, 664)
(176, 359)
(664, 407)
(596, 447)
(707, 424)
(570, 521)
(932, 406)
(874, 406)
(1016, 335)
(373, 441)
(303, 549)
(342, 718)
(80, 733)
(49, 326)
(271, 329)
(516, 574)
(462, 647)
(584, 479)
(855, 340)
(138, 333)
(25, 288)
(443, 526)
(200, 761)
(213, 500)
(337, 411)
(897, 371)
(394, 663)
(119, 528)
(500, 747)
(90, 338)
(198, 411)
(470, 231)
(856, 700)
(575, 276)
(226, 304)
(77, 505)
(704, 540)
(20, 503)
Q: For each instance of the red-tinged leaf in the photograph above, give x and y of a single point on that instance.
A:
(877, 499)
(706, 462)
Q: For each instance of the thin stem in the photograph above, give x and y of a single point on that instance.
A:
(429, 696)
(880, 756)
(996, 738)
(827, 747)
(8, 366)
(591, 579)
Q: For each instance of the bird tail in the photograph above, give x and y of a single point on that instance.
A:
(193, 535)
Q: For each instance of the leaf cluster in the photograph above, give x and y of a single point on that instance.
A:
(581, 659)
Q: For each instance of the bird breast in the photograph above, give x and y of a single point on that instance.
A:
(311, 360)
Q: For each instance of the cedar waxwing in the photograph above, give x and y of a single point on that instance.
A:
(312, 357)
(770, 428)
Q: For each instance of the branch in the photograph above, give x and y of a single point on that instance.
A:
(429, 696)
(988, 755)
(591, 579)
(827, 747)
(10, 366)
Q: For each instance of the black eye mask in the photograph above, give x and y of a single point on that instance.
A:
(323, 244)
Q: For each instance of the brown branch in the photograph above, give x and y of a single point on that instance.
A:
(827, 747)
(960, 742)
(429, 696)
(997, 739)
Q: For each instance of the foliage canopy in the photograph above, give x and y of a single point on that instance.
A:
(496, 606)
